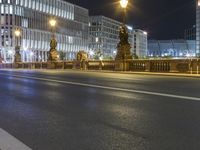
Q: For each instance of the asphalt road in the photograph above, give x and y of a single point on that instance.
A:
(73, 110)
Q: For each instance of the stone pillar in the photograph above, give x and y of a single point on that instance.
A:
(147, 66)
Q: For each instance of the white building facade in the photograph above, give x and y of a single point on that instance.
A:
(32, 17)
(140, 43)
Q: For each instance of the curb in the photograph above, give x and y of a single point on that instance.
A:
(146, 73)
(120, 72)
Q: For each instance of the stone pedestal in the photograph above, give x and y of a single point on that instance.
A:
(148, 66)
(1, 60)
(82, 65)
(77, 64)
(51, 65)
(15, 66)
(122, 66)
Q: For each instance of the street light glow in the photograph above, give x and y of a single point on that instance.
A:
(91, 53)
(101, 58)
(130, 28)
(17, 32)
(52, 22)
(124, 3)
(31, 53)
(10, 52)
(145, 33)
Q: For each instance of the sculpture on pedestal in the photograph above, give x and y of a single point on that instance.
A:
(53, 54)
(17, 57)
(123, 47)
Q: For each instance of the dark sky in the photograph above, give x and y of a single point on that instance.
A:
(162, 19)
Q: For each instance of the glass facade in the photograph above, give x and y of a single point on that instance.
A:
(190, 34)
(32, 18)
(171, 48)
(104, 35)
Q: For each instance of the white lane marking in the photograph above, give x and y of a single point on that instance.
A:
(8, 142)
(109, 88)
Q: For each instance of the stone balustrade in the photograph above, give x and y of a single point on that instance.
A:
(164, 65)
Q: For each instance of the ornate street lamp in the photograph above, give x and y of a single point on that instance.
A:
(17, 47)
(123, 47)
(53, 54)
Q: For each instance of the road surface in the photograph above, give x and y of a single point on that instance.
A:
(74, 110)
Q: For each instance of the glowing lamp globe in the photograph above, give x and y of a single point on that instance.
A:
(124, 3)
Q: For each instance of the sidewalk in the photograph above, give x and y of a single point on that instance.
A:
(119, 72)
(148, 73)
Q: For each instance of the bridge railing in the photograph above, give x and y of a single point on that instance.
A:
(168, 65)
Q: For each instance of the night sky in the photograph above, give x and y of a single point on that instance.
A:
(162, 19)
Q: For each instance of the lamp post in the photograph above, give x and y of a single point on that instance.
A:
(123, 47)
(53, 54)
(1, 59)
(124, 4)
(17, 47)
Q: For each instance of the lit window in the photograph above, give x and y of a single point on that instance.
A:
(2, 8)
(70, 39)
(96, 39)
(25, 23)
(11, 9)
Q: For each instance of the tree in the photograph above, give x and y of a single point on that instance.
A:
(98, 54)
(62, 55)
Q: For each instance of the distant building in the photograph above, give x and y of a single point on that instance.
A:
(32, 17)
(198, 27)
(140, 43)
(190, 34)
(171, 48)
(104, 35)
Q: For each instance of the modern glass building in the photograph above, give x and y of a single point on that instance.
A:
(190, 33)
(104, 35)
(32, 17)
(171, 48)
